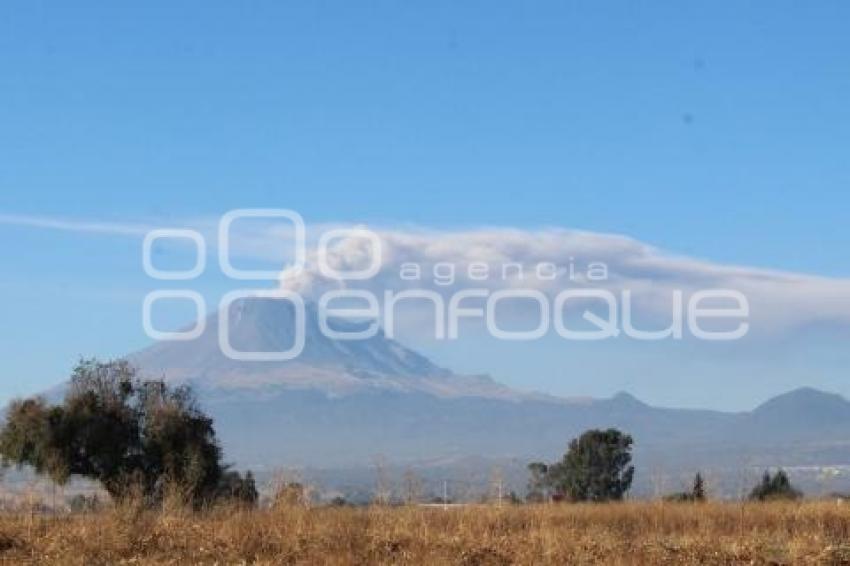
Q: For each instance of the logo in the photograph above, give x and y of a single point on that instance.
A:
(588, 308)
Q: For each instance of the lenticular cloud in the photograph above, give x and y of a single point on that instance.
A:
(551, 260)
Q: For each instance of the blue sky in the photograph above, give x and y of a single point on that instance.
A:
(714, 130)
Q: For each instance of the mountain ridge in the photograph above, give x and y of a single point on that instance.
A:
(340, 403)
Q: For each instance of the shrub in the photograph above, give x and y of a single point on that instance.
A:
(774, 487)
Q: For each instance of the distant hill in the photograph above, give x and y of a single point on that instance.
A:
(335, 367)
(804, 414)
(342, 402)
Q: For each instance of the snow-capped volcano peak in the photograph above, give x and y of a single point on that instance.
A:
(337, 367)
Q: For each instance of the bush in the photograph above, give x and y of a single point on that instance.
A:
(238, 489)
(697, 493)
(774, 487)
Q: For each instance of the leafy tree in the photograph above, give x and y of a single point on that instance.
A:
(29, 437)
(777, 486)
(131, 435)
(94, 433)
(538, 483)
(595, 468)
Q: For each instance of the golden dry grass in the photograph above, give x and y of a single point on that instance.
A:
(628, 533)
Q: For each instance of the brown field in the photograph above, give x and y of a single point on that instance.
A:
(627, 533)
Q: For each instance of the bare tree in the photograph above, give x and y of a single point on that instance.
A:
(412, 487)
(497, 485)
(383, 487)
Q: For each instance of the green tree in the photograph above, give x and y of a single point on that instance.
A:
(538, 483)
(698, 490)
(130, 435)
(773, 487)
(596, 466)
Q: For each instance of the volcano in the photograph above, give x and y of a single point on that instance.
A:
(341, 403)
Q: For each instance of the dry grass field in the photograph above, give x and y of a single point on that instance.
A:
(628, 533)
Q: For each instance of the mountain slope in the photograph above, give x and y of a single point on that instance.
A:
(802, 415)
(341, 403)
(335, 367)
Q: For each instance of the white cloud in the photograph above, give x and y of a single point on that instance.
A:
(66, 225)
(779, 301)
